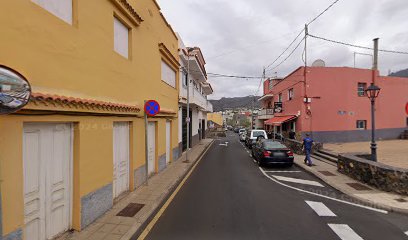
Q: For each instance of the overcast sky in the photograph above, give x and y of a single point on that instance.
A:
(240, 37)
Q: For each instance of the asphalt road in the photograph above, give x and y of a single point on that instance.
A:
(229, 197)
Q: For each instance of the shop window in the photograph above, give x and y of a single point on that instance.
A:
(361, 124)
(61, 8)
(360, 89)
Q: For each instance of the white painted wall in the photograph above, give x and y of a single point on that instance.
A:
(180, 124)
(195, 121)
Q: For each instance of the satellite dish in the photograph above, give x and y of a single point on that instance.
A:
(15, 91)
(319, 63)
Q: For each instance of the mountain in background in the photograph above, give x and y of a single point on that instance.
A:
(235, 102)
(402, 73)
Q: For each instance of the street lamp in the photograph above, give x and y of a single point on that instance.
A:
(188, 118)
(372, 93)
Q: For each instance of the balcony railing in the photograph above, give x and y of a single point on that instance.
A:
(196, 98)
(265, 113)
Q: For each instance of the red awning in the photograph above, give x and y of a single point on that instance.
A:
(277, 121)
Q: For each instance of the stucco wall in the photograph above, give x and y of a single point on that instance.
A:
(78, 60)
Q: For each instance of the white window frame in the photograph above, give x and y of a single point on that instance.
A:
(121, 33)
(290, 94)
(168, 75)
(361, 90)
(364, 124)
(63, 9)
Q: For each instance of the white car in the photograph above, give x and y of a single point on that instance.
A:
(254, 134)
(242, 136)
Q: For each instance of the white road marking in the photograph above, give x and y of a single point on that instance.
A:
(323, 196)
(406, 233)
(296, 180)
(321, 209)
(254, 160)
(283, 171)
(345, 232)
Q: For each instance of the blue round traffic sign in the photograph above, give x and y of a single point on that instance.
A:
(152, 108)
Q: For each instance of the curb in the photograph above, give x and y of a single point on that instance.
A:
(348, 193)
(143, 226)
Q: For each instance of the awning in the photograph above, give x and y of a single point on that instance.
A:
(266, 96)
(277, 121)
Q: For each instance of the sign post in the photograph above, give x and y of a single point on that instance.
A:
(151, 109)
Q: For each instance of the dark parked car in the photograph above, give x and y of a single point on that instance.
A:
(269, 152)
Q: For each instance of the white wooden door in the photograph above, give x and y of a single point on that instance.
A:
(120, 158)
(47, 163)
(151, 132)
(168, 141)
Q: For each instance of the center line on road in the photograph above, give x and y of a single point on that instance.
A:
(345, 232)
(321, 209)
(320, 195)
(296, 180)
(282, 171)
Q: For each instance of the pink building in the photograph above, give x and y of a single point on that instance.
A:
(332, 106)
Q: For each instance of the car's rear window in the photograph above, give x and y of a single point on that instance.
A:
(273, 145)
(258, 133)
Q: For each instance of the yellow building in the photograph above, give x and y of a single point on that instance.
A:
(215, 117)
(80, 142)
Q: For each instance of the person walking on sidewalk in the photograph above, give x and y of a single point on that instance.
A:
(307, 145)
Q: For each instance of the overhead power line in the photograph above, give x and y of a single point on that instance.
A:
(290, 54)
(356, 46)
(294, 40)
(325, 10)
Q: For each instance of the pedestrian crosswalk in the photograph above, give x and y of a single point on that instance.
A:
(297, 180)
(321, 209)
(343, 231)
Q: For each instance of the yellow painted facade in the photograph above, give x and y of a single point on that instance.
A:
(79, 61)
(215, 117)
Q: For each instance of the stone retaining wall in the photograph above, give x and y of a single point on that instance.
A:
(381, 176)
(296, 146)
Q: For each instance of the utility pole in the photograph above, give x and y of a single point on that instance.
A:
(305, 81)
(188, 120)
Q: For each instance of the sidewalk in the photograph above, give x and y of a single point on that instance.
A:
(153, 196)
(327, 172)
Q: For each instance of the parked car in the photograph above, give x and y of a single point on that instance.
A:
(253, 135)
(269, 152)
(242, 136)
(242, 130)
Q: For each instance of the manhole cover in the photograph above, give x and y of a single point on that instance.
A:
(327, 173)
(358, 186)
(130, 210)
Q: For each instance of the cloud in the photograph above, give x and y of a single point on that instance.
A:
(240, 37)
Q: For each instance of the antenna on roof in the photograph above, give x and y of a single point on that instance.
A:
(319, 63)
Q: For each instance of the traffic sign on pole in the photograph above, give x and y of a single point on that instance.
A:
(152, 108)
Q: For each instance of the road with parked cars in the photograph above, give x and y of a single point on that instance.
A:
(232, 195)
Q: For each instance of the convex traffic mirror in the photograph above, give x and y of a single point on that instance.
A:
(15, 91)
